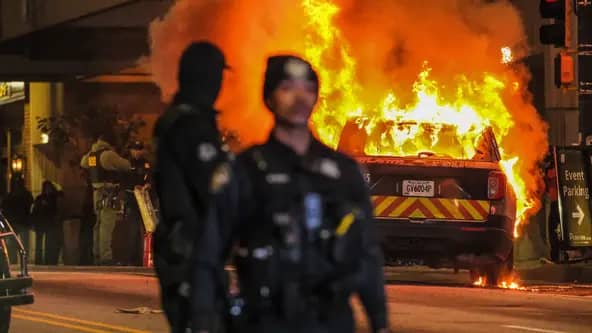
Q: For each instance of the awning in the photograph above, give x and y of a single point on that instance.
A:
(11, 92)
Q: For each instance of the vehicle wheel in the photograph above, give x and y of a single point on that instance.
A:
(4, 319)
(501, 271)
(475, 274)
(4, 273)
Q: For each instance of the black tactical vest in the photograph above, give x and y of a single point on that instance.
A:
(96, 172)
(296, 252)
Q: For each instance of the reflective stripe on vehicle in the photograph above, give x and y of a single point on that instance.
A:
(430, 208)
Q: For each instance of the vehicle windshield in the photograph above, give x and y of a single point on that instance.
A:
(415, 139)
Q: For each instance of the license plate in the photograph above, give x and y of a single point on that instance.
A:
(418, 188)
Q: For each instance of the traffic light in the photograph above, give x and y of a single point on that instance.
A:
(553, 34)
(564, 70)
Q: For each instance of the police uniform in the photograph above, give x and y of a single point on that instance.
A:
(105, 170)
(305, 242)
(191, 169)
(139, 176)
(304, 234)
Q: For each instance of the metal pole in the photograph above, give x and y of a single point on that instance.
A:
(8, 160)
(584, 12)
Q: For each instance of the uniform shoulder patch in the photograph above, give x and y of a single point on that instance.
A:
(329, 168)
(277, 178)
(92, 161)
(206, 151)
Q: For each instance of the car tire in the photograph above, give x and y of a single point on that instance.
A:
(4, 319)
(498, 272)
(6, 310)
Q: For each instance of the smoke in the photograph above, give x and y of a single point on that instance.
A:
(389, 40)
(248, 32)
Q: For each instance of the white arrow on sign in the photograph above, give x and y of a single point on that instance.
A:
(578, 215)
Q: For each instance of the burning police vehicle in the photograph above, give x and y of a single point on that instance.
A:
(434, 202)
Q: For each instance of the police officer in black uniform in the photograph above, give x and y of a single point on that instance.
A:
(139, 176)
(191, 169)
(304, 238)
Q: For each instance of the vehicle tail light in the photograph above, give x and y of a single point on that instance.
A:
(496, 185)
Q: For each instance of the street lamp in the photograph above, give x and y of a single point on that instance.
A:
(17, 164)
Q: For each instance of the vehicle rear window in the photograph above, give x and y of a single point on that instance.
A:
(413, 139)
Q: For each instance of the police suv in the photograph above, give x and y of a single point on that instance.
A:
(440, 211)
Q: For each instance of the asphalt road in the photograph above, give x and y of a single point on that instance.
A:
(418, 302)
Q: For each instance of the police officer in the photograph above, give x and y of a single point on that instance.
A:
(133, 225)
(106, 169)
(191, 168)
(304, 240)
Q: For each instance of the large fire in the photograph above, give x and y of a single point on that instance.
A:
(473, 106)
(436, 68)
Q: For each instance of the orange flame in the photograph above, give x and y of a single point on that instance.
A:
(467, 106)
(510, 282)
(511, 285)
(368, 55)
(481, 282)
(507, 56)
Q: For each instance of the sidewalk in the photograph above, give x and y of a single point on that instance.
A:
(537, 271)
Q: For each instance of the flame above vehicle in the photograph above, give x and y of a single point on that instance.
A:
(465, 106)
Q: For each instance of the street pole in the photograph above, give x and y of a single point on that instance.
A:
(584, 12)
(8, 160)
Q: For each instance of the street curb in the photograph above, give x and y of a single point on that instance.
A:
(91, 269)
(553, 273)
(544, 273)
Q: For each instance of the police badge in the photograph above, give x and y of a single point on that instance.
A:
(296, 69)
(220, 177)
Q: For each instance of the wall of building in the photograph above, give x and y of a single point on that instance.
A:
(140, 100)
(11, 129)
(18, 17)
(45, 99)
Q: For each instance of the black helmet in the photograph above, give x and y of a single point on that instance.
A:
(200, 73)
(285, 67)
(199, 59)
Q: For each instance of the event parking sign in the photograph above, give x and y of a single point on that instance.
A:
(574, 197)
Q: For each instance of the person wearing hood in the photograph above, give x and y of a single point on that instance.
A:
(191, 172)
(105, 167)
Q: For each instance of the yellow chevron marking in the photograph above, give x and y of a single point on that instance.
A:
(472, 211)
(428, 203)
(417, 213)
(485, 205)
(452, 208)
(383, 205)
(404, 205)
